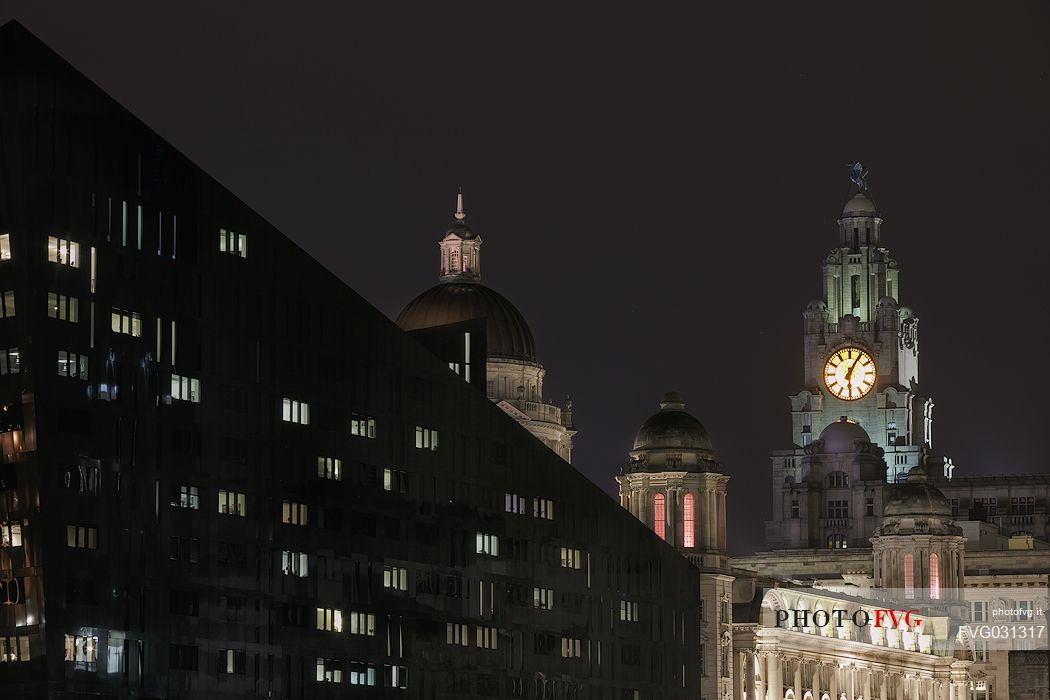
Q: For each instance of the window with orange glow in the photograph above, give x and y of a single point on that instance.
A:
(688, 521)
(935, 578)
(659, 515)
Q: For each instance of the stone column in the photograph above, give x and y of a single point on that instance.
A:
(815, 685)
(776, 676)
(798, 679)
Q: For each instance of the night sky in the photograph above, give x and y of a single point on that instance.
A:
(656, 184)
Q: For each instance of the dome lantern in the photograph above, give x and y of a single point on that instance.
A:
(460, 249)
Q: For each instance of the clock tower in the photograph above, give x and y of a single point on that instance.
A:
(860, 349)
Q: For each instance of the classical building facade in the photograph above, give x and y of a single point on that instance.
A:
(514, 374)
(226, 475)
(781, 656)
(674, 483)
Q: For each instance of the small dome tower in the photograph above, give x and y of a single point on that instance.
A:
(919, 549)
(674, 483)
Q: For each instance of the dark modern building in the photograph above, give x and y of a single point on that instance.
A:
(225, 474)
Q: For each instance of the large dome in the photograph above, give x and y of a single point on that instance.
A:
(507, 334)
(672, 428)
(916, 497)
(859, 205)
(842, 436)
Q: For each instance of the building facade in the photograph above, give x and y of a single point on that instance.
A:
(225, 474)
(514, 374)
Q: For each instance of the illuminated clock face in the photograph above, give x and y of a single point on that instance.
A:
(850, 373)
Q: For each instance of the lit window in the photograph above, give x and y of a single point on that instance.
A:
(5, 246)
(294, 411)
(231, 503)
(293, 513)
(543, 598)
(233, 243)
(688, 521)
(70, 364)
(513, 503)
(80, 651)
(62, 307)
(837, 541)
(571, 648)
(185, 389)
(362, 673)
(487, 544)
(81, 537)
(10, 534)
(363, 623)
(570, 558)
(659, 516)
(456, 633)
(543, 508)
(10, 362)
(329, 671)
(63, 252)
(426, 438)
(330, 468)
(295, 564)
(329, 620)
(126, 322)
(395, 480)
(14, 648)
(231, 661)
(935, 577)
(629, 611)
(909, 576)
(395, 577)
(487, 638)
(7, 304)
(362, 426)
(186, 496)
(395, 676)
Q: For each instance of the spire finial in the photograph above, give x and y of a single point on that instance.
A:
(460, 214)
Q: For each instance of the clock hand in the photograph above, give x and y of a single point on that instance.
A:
(849, 374)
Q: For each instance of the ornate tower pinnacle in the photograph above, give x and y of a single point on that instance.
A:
(460, 213)
(460, 249)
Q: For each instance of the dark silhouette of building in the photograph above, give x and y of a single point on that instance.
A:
(226, 475)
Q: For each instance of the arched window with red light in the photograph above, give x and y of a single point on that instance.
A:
(909, 576)
(688, 522)
(935, 578)
(659, 515)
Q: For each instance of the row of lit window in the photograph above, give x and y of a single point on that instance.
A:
(229, 502)
(457, 633)
(331, 620)
(541, 507)
(14, 648)
(361, 673)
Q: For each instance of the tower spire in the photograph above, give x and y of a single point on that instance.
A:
(460, 214)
